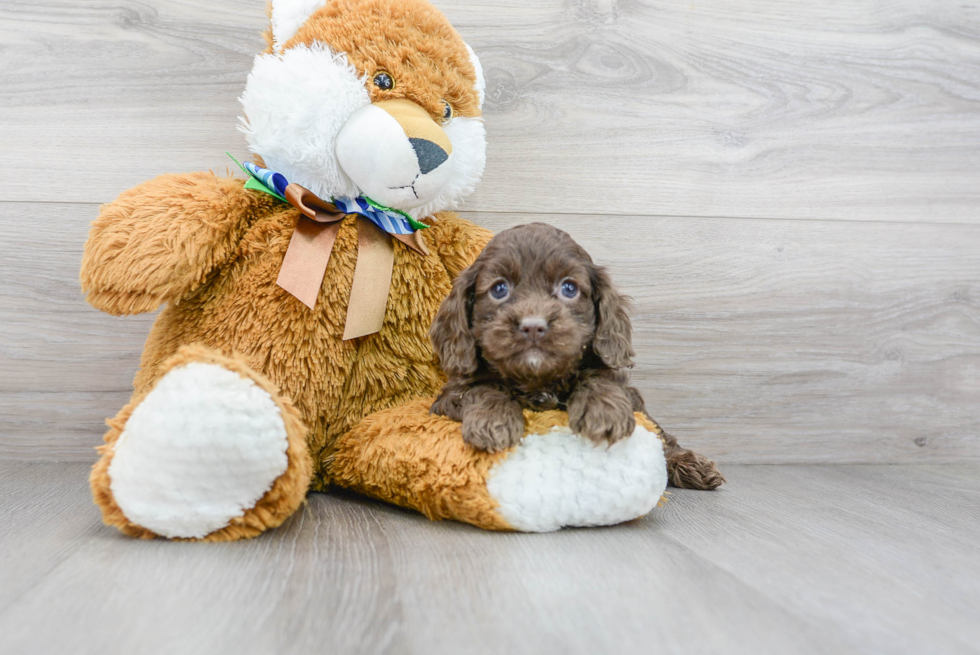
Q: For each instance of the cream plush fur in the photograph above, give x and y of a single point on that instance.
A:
(295, 104)
(204, 446)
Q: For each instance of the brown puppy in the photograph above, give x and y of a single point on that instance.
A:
(535, 324)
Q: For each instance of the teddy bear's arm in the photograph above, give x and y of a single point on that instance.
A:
(456, 241)
(158, 241)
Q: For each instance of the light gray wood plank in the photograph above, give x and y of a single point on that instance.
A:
(63, 426)
(788, 341)
(863, 110)
(887, 553)
(802, 559)
(47, 513)
(64, 367)
(50, 338)
(757, 340)
(350, 576)
(117, 82)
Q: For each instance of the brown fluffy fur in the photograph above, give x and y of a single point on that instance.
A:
(210, 251)
(410, 40)
(535, 348)
(225, 297)
(418, 460)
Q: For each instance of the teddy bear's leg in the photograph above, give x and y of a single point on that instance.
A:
(212, 451)
(552, 479)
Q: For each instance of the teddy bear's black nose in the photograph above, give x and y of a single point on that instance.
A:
(429, 154)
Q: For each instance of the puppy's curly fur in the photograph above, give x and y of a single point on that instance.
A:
(535, 324)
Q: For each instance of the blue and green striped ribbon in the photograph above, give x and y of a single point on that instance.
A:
(392, 221)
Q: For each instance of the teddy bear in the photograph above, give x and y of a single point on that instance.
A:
(292, 351)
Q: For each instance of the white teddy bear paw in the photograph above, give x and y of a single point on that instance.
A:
(560, 479)
(203, 447)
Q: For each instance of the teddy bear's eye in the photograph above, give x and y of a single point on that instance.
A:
(384, 81)
(447, 111)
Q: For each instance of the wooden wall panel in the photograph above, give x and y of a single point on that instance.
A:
(860, 110)
(791, 193)
(757, 340)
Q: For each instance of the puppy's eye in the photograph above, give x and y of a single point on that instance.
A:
(384, 81)
(569, 289)
(447, 112)
(500, 290)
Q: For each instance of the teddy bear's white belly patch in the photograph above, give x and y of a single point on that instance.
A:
(202, 448)
(560, 479)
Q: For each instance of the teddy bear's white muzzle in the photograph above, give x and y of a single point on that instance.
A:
(395, 153)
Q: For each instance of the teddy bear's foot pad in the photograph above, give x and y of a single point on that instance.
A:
(201, 449)
(560, 479)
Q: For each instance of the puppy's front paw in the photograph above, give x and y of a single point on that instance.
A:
(493, 428)
(448, 404)
(602, 417)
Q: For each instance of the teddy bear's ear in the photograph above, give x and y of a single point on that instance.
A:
(481, 82)
(288, 16)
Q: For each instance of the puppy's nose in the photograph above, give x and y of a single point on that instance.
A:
(429, 154)
(533, 327)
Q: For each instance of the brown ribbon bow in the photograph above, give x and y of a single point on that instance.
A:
(306, 259)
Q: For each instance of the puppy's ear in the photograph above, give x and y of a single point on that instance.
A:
(613, 341)
(451, 333)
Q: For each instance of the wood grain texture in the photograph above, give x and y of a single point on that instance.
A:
(860, 110)
(47, 513)
(782, 560)
(758, 341)
(799, 341)
(659, 134)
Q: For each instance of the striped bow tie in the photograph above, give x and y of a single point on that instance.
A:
(305, 262)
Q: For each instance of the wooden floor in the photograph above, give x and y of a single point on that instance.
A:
(784, 559)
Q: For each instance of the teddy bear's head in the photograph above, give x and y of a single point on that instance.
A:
(372, 98)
